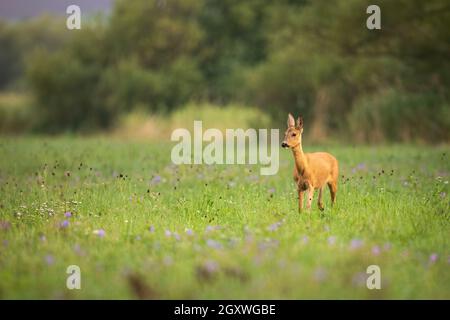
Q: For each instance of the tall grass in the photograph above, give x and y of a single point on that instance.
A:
(217, 231)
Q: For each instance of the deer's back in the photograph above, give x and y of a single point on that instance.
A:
(323, 168)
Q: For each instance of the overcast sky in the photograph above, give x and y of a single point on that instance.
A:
(23, 9)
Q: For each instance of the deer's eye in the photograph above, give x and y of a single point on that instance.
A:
(294, 134)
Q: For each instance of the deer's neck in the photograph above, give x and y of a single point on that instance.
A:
(301, 163)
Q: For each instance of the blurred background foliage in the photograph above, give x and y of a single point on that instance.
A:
(148, 59)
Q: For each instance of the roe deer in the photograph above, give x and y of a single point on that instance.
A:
(312, 170)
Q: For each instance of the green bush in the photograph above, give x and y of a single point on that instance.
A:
(399, 116)
(16, 114)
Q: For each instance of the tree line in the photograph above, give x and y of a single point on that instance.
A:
(316, 58)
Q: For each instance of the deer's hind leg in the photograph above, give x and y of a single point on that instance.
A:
(310, 197)
(300, 200)
(332, 185)
(319, 200)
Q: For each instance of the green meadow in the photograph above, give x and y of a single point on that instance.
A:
(140, 227)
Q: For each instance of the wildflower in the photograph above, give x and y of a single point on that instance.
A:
(356, 244)
(100, 232)
(212, 228)
(189, 232)
(168, 233)
(211, 266)
(156, 179)
(332, 240)
(274, 226)
(213, 244)
(361, 166)
(359, 279)
(65, 224)
(207, 270)
(5, 225)
(305, 239)
(151, 229)
(68, 214)
(376, 250)
(433, 257)
(271, 190)
(49, 259)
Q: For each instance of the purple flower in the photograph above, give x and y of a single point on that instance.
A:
(189, 232)
(156, 179)
(49, 259)
(332, 240)
(68, 214)
(167, 233)
(271, 190)
(275, 225)
(356, 244)
(177, 236)
(5, 225)
(361, 166)
(267, 244)
(433, 257)
(376, 250)
(100, 233)
(305, 239)
(213, 244)
(211, 266)
(42, 238)
(359, 279)
(212, 228)
(151, 229)
(65, 224)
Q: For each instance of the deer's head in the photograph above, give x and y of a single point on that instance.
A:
(293, 134)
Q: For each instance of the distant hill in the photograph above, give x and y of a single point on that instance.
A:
(25, 9)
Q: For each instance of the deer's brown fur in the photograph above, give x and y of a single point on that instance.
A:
(311, 170)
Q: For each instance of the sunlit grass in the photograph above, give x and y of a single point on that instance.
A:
(217, 231)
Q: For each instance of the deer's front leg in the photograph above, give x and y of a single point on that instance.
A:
(310, 197)
(300, 200)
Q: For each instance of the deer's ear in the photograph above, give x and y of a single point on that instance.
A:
(290, 121)
(300, 122)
